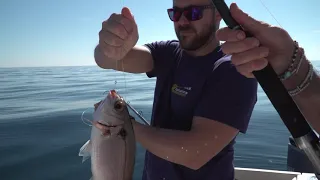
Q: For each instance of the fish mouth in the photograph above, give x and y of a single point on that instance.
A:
(108, 124)
(113, 94)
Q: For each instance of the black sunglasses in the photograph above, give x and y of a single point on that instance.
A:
(192, 13)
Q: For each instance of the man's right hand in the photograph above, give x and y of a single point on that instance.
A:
(119, 34)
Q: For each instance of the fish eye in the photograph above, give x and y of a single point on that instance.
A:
(118, 106)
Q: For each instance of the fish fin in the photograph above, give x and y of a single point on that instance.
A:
(85, 158)
(85, 151)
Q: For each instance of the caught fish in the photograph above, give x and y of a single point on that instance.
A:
(112, 155)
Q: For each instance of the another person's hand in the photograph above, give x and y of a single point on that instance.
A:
(269, 44)
(119, 34)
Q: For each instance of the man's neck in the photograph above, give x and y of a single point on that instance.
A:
(205, 49)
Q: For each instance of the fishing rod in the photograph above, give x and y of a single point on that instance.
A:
(303, 135)
(138, 114)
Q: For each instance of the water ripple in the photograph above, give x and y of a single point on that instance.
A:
(41, 130)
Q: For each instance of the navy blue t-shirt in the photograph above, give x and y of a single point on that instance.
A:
(208, 86)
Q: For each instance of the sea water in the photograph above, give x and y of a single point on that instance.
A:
(41, 129)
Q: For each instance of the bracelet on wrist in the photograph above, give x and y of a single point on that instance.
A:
(293, 67)
(305, 83)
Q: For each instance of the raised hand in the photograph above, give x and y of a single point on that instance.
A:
(119, 34)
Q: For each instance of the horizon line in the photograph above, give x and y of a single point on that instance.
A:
(84, 65)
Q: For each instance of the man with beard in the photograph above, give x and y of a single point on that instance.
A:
(201, 102)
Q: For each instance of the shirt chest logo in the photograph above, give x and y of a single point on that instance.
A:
(180, 90)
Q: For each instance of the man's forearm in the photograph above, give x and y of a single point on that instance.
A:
(171, 145)
(307, 100)
(309, 103)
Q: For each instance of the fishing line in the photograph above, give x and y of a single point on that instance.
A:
(263, 4)
(125, 80)
(115, 75)
(116, 69)
(89, 122)
(122, 64)
(85, 120)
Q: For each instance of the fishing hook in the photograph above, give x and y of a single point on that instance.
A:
(84, 120)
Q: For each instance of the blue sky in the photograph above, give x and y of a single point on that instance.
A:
(63, 33)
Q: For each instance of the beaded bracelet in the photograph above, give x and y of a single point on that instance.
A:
(305, 83)
(291, 70)
(303, 57)
(295, 69)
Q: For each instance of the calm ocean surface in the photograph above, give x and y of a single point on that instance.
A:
(41, 129)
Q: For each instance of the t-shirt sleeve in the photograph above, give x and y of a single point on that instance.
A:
(228, 97)
(161, 52)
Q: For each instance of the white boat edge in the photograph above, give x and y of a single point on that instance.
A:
(265, 174)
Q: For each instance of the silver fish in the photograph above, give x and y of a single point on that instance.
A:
(112, 156)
